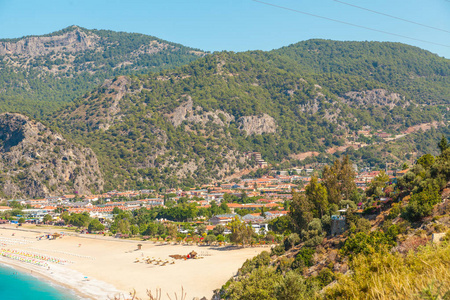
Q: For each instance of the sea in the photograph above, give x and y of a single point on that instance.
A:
(17, 285)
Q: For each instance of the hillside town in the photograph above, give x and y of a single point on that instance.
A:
(266, 199)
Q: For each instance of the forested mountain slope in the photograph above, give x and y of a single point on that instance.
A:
(192, 124)
(39, 74)
(413, 72)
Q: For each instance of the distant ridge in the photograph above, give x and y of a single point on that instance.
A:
(38, 74)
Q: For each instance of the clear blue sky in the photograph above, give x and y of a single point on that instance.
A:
(235, 25)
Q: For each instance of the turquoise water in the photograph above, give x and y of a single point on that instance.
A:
(15, 285)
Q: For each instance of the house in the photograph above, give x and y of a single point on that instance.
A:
(401, 173)
(155, 202)
(222, 219)
(37, 202)
(262, 164)
(5, 208)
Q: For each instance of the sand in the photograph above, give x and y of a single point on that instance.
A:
(110, 268)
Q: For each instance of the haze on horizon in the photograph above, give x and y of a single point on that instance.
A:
(239, 25)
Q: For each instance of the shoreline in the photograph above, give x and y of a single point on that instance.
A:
(42, 277)
(117, 267)
(52, 279)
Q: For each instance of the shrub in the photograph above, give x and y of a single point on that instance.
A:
(367, 243)
(292, 287)
(395, 211)
(313, 236)
(292, 240)
(325, 277)
(362, 225)
(421, 204)
(210, 238)
(269, 238)
(260, 284)
(285, 264)
(304, 258)
(395, 276)
(278, 250)
(262, 259)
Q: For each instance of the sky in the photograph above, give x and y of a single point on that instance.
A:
(240, 25)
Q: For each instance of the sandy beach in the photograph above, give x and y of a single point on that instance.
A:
(99, 267)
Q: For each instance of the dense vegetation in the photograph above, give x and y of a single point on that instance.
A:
(37, 85)
(411, 71)
(156, 133)
(391, 259)
(187, 126)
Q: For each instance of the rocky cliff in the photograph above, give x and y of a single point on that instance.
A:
(191, 114)
(375, 97)
(36, 161)
(258, 124)
(72, 41)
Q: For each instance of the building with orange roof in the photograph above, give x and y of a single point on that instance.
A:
(5, 208)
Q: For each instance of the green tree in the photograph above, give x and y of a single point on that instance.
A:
(300, 211)
(313, 234)
(80, 220)
(134, 229)
(421, 204)
(95, 225)
(443, 144)
(280, 224)
(339, 180)
(292, 240)
(224, 209)
(241, 233)
(367, 244)
(220, 238)
(317, 194)
(172, 230)
(15, 204)
(47, 218)
(210, 238)
(259, 285)
(201, 229)
(293, 287)
(426, 161)
(219, 229)
(214, 209)
(151, 229)
(377, 184)
(123, 226)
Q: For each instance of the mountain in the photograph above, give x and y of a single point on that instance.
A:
(39, 74)
(413, 72)
(193, 124)
(37, 162)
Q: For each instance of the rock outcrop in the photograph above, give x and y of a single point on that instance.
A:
(38, 162)
(71, 41)
(376, 97)
(258, 124)
(188, 112)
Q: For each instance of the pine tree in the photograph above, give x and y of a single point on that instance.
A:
(443, 144)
